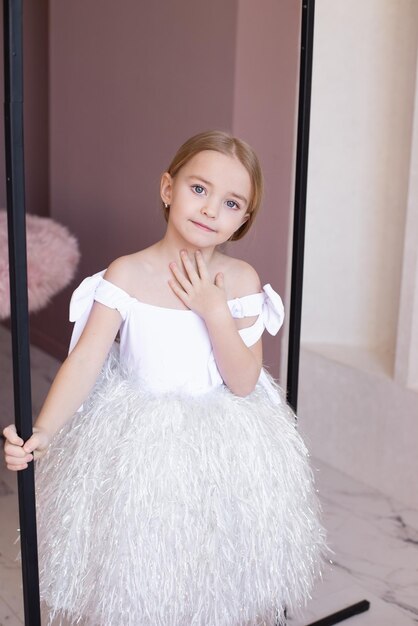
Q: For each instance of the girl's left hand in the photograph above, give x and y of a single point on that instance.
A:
(195, 289)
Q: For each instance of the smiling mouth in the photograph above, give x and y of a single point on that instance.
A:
(202, 226)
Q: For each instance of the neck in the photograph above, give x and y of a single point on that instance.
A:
(170, 245)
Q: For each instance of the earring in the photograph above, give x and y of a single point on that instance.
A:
(166, 205)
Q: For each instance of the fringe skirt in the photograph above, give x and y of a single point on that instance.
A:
(175, 510)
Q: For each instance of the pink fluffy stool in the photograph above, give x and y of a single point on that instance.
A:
(52, 254)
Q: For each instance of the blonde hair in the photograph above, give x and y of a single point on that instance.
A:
(231, 146)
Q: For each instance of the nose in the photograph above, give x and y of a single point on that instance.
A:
(209, 209)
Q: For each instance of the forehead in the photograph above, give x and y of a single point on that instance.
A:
(219, 169)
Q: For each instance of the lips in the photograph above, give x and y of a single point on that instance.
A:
(203, 226)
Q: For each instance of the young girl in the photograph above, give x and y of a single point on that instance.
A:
(180, 493)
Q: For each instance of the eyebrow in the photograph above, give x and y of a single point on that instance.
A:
(230, 193)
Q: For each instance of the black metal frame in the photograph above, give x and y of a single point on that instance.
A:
(299, 219)
(13, 115)
(15, 185)
(299, 214)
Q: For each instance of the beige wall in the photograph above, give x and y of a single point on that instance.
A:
(361, 120)
(358, 399)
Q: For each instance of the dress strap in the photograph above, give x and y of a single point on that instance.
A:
(95, 288)
(267, 305)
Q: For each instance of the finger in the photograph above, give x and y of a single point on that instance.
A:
(11, 435)
(12, 463)
(183, 296)
(201, 266)
(180, 277)
(13, 459)
(16, 468)
(219, 280)
(32, 443)
(12, 451)
(189, 267)
(38, 454)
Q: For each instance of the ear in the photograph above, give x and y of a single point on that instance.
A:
(166, 187)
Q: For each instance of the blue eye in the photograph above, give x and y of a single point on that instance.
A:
(198, 189)
(232, 204)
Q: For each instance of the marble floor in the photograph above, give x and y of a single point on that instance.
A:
(374, 539)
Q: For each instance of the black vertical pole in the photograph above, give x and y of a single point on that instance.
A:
(15, 185)
(299, 219)
(301, 177)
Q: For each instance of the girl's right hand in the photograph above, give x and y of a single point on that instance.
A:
(18, 453)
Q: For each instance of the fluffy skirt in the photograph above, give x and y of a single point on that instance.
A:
(173, 510)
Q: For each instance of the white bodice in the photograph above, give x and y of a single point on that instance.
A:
(169, 349)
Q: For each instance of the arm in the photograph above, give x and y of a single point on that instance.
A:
(79, 372)
(238, 365)
(71, 386)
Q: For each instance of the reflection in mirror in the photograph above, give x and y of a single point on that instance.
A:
(109, 95)
(358, 388)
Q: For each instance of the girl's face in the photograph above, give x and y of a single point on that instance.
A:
(208, 198)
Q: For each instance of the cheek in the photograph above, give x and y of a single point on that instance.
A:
(186, 198)
(234, 223)
(238, 218)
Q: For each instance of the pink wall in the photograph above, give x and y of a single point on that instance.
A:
(128, 83)
(265, 107)
(35, 53)
(128, 86)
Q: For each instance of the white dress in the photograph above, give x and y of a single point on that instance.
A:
(167, 500)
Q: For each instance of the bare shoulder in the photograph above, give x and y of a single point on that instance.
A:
(240, 277)
(123, 271)
(119, 271)
(132, 269)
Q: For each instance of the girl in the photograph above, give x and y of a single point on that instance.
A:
(180, 492)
